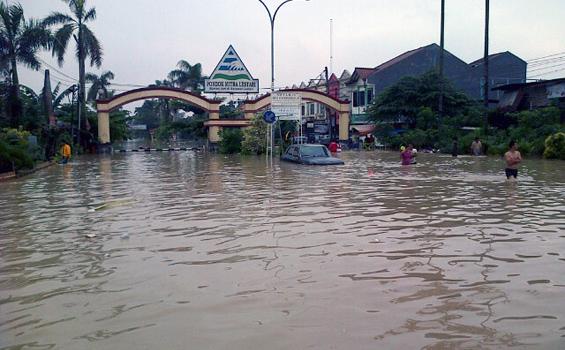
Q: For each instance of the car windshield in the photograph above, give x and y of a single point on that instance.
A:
(314, 151)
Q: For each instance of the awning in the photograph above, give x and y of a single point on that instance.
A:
(363, 129)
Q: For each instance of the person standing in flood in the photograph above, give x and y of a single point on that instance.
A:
(513, 158)
(66, 153)
(476, 147)
(454, 148)
(406, 156)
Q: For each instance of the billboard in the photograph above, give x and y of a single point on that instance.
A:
(286, 105)
(231, 76)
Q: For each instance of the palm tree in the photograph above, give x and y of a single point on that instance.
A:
(99, 84)
(163, 103)
(20, 40)
(87, 45)
(187, 76)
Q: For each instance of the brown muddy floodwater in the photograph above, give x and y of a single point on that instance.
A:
(195, 251)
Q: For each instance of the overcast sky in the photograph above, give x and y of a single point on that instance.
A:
(144, 39)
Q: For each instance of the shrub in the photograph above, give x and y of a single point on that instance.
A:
(254, 137)
(15, 149)
(555, 146)
(230, 141)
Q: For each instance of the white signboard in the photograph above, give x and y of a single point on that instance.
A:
(286, 105)
(231, 76)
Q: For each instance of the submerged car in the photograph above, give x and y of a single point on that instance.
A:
(310, 154)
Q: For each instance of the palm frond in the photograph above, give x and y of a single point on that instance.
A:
(61, 41)
(184, 65)
(91, 77)
(90, 15)
(58, 18)
(107, 76)
(92, 47)
(57, 102)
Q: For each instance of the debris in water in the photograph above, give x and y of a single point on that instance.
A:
(90, 235)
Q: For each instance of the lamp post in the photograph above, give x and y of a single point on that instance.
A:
(272, 18)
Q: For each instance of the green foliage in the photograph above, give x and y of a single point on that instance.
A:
(230, 111)
(190, 128)
(14, 148)
(230, 140)
(20, 42)
(254, 136)
(118, 125)
(415, 101)
(555, 146)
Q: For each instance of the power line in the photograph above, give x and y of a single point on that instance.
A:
(548, 61)
(540, 58)
(553, 71)
(58, 71)
(548, 67)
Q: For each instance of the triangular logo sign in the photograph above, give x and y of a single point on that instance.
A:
(231, 76)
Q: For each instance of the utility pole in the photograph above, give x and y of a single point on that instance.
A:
(485, 59)
(48, 99)
(441, 56)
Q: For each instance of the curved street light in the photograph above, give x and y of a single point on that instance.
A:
(272, 18)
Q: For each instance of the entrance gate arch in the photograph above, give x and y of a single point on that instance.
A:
(340, 106)
(104, 107)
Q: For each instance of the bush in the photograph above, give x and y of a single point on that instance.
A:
(555, 146)
(15, 149)
(230, 140)
(254, 137)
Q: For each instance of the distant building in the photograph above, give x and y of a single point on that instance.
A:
(365, 83)
(504, 68)
(526, 96)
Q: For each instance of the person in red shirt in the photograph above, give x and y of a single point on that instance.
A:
(333, 146)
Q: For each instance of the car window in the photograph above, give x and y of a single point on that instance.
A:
(295, 151)
(314, 151)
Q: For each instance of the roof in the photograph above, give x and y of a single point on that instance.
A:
(532, 84)
(403, 56)
(360, 73)
(494, 56)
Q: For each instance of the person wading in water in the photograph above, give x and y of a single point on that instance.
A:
(513, 159)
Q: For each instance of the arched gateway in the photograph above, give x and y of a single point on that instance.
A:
(104, 107)
(339, 106)
(214, 124)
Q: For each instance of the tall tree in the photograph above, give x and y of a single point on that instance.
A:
(20, 41)
(100, 84)
(164, 105)
(186, 76)
(87, 45)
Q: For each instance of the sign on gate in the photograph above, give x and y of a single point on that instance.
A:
(231, 76)
(286, 105)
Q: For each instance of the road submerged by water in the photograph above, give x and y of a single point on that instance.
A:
(191, 250)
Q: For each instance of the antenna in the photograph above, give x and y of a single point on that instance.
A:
(331, 46)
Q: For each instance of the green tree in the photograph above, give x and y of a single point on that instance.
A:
(404, 100)
(254, 137)
(99, 84)
(187, 76)
(230, 140)
(20, 41)
(87, 45)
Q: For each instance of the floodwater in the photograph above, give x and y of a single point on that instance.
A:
(187, 250)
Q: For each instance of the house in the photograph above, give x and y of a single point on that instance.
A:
(504, 68)
(526, 96)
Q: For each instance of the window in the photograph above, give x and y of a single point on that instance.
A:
(359, 97)
(312, 111)
(303, 110)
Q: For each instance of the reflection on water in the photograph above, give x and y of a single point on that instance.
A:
(188, 250)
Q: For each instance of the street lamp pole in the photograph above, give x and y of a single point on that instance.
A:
(272, 18)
